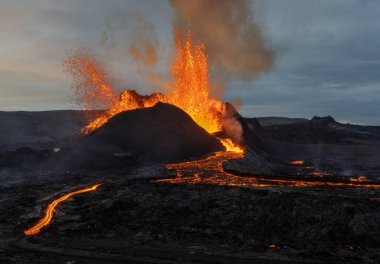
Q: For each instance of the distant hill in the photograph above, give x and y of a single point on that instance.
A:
(276, 120)
(46, 126)
(324, 130)
(24, 128)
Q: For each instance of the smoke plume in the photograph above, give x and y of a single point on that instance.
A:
(233, 41)
(145, 43)
(144, 50)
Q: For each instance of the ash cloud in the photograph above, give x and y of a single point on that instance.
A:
(144, 50)
(145, 43)
(233, 40)
(134, 36)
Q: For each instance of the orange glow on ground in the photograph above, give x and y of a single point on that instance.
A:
(361, 178)
(209, 170)
(50, 210)
(297, 162)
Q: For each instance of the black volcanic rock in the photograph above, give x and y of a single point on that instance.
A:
(23, 158)
(254, 124)
(162, 133)
(276, 120)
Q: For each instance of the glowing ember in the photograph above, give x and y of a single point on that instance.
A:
(359, 179)
(51, 209)
(297, 162)
(91, 85)
(273, 246)
(190, 90)
(320, 174)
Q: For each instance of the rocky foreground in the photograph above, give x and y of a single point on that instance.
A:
(193, 211)
(132, 219)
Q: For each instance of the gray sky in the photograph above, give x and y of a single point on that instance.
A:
(327, 54)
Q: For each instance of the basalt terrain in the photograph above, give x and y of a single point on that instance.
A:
(195, 203)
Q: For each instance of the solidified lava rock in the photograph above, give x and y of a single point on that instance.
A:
(23, 158)
(162, 133)
(328, 225)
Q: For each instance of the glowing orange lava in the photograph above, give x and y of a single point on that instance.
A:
(210, 170)
(51, 209)
(297, 162)
(231, 146)
(320, 174)
(190, 90)
(361, 178)
(273, 246)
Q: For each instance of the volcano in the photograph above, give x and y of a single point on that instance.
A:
(159, 133)
(162, 132)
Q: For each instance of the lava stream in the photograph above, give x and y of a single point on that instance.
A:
(297, 162)
(51, 209)
(210, 170)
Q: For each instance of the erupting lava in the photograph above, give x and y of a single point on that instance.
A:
(51, 209)
(210, 171)
(190, 90)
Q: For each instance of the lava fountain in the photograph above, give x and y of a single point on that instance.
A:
(190, 90)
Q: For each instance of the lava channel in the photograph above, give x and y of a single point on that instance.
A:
(210, 170)
(51, 209)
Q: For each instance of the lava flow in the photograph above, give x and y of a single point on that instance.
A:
(189, 90)
(297, 162)
(210, 170)
(51, 209)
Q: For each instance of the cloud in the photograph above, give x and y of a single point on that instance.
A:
(327, 53)
(328, 62)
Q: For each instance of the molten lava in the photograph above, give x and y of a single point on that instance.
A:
(361, 178)
(231, 146)
(51, 209)
(297, 162)
(210, 170)
(190, 90)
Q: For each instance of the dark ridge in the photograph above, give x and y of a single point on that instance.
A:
(324, 130)
(324, 121)
(276, 120)
(252, 133)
